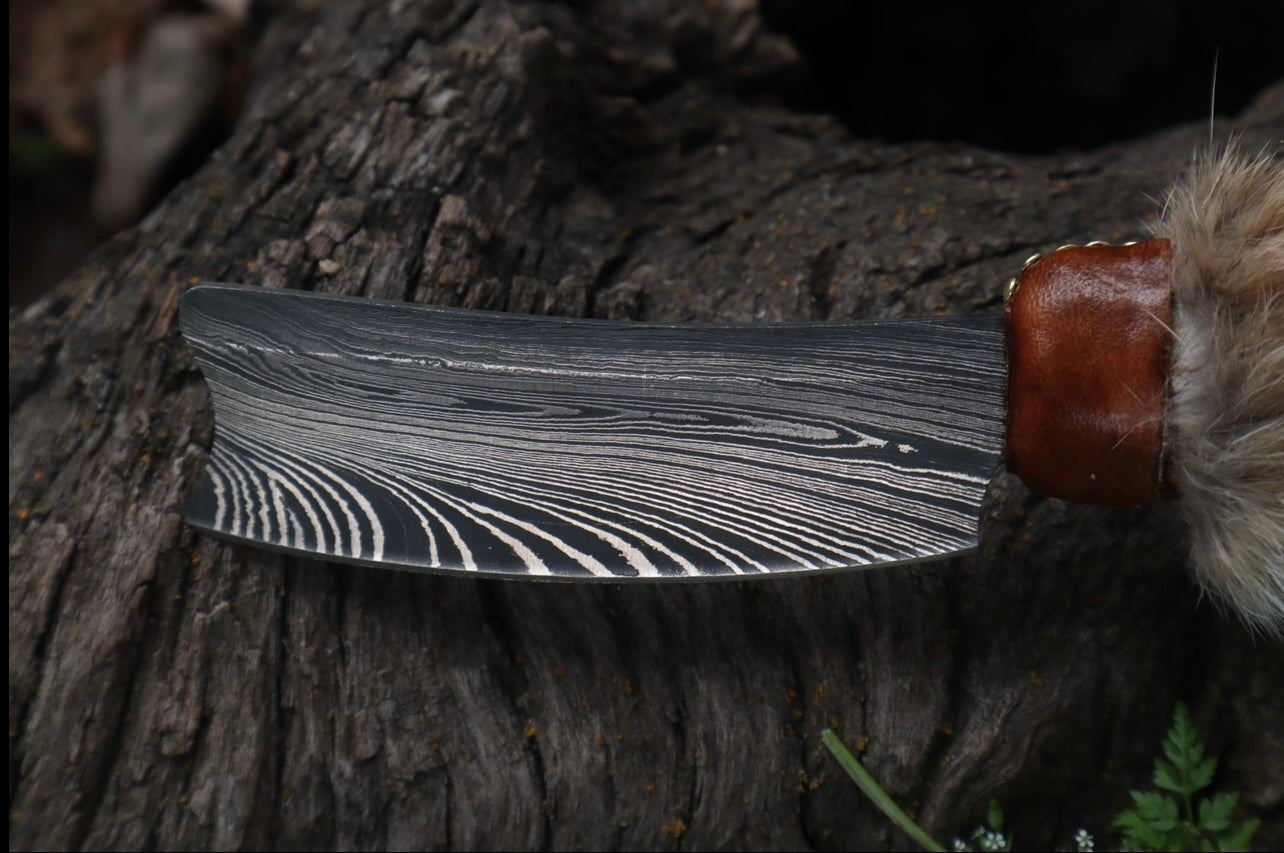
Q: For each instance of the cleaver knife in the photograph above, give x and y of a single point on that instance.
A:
(491, 444)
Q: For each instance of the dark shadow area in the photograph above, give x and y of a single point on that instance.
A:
(1032, 77)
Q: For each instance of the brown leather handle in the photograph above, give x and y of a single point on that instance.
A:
(1089, 334)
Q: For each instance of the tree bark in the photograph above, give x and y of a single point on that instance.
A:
(169, 690)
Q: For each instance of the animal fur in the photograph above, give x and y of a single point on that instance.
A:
(1225, 430)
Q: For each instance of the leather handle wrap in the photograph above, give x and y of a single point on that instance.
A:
(1089, 341)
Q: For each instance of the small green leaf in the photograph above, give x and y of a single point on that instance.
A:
(1156, 809)
(1215, 813)
(1138, 832)
(1168, 777)
(996, 816)
(1189, 771)
(1238, 837)
(1201, 774)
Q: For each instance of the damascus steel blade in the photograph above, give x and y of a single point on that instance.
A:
(497, 444)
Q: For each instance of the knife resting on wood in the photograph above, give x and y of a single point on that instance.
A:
(493, 444)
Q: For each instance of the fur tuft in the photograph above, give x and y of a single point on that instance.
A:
(1225, 430)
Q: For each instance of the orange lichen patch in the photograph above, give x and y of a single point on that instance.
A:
(531, 731)
(675, 829)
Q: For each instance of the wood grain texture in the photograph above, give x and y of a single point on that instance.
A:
(499, 444)
(167, 690)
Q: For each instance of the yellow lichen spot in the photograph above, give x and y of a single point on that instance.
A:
(468, 756)
(24, 513)
(675, 829)
(650, 788)
(37, 476)
(194, 558)
(531, 731)
(863, 744)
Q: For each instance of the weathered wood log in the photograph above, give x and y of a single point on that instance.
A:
(168, 690)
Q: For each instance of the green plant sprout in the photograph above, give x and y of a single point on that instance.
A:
(1160, 821)
(1157, 821)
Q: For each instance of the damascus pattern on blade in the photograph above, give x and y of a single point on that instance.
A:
(452, 440)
